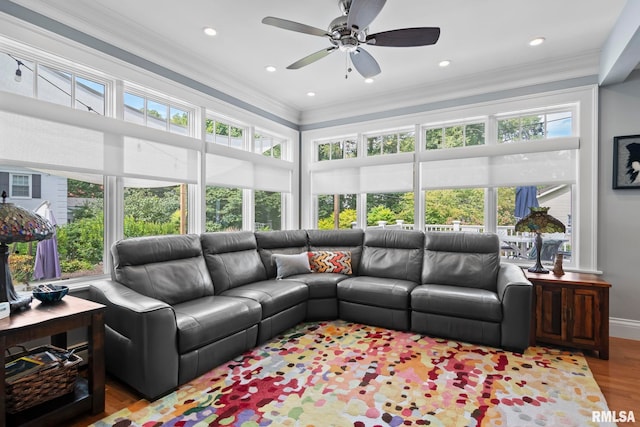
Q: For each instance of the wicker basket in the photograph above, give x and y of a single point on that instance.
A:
(42, 385)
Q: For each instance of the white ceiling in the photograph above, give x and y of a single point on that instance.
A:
(486, 41)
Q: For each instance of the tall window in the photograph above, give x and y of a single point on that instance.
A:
(336, 211)
(268, 210)
(150, 211)
(454, 209)
(386, 209)
(224, 209)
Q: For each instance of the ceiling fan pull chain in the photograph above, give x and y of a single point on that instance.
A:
(347, 67)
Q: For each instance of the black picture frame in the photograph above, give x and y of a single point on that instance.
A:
(626, 162)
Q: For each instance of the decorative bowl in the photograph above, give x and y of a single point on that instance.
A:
(50, 293)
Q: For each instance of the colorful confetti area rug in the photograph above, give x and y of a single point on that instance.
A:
(346, 374)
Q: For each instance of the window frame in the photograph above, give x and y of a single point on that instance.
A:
(29, 185)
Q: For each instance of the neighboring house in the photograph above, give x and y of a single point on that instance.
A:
(29, 188)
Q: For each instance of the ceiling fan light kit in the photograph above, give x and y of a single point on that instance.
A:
(347, 33)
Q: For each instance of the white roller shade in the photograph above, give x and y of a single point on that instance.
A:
(232, 172)
(501, 171)
(386, 178)
(339, 181)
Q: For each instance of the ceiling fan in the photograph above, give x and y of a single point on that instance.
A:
(351, 30)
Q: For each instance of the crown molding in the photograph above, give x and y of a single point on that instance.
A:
(499, 79)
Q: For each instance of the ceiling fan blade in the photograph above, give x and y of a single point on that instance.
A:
(365, 63)
(311, 58)
(405, 37)
(294, 26)
(363, 12)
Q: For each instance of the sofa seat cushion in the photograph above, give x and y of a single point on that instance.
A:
(273, 295)
(376, 291)
(457, 301)
(321, 285)
(205, 320)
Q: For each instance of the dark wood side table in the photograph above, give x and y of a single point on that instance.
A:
(571, 311)
(54, 320)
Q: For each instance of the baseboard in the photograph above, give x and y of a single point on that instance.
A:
(624, 328)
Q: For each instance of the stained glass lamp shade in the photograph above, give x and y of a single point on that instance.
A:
(539, 221)
(17, 225)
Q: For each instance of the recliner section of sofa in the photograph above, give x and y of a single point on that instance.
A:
(177, 306)
(389, 270)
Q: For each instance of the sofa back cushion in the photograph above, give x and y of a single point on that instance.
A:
(279, 242)
(394, 254)
(168, 268)
(232, 259)
(467, 259)
(338, 241)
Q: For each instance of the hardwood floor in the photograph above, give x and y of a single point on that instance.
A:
(618, 378)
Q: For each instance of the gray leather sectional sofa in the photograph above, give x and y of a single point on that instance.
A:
(177, 306)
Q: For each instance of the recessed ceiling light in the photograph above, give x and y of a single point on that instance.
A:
(537, 41)
(209, 31)
(444, 63)
(368, 80)
(311, 94)
(270, 68)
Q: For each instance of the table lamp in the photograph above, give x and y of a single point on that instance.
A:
(539, 221)
(17, 225)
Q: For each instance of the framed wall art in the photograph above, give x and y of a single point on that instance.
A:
(626, 162)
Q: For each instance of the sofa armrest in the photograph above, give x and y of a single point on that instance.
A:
(140, 338)
(516, 293)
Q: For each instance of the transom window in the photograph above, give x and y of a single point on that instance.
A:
(156, 114)
(52, 84)
(390, 143)
(337, 149)
(268, 145)
(527, 127)
(459, 135)
(224, 133)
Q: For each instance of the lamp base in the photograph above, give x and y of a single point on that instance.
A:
(7, 291)
(538, 269)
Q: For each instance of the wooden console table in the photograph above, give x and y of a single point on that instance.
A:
(571, 310)
(54, 320)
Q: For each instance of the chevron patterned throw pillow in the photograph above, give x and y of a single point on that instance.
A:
(330, 262)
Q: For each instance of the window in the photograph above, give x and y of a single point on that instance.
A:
(529, 127)
(390, 209)
(53, 84)
(337, 211)
(156, 114)
(461, 135)
(391, 143)
(454, 210)
(268, 146)
(20, 186)
(151, 211)
(268, 210)
(224, 133)
(337, 149)
(224, 209)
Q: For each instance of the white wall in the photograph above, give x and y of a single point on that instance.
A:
(619, 210)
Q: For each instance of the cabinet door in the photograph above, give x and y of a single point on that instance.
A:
(551, 313)
(584, 317)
